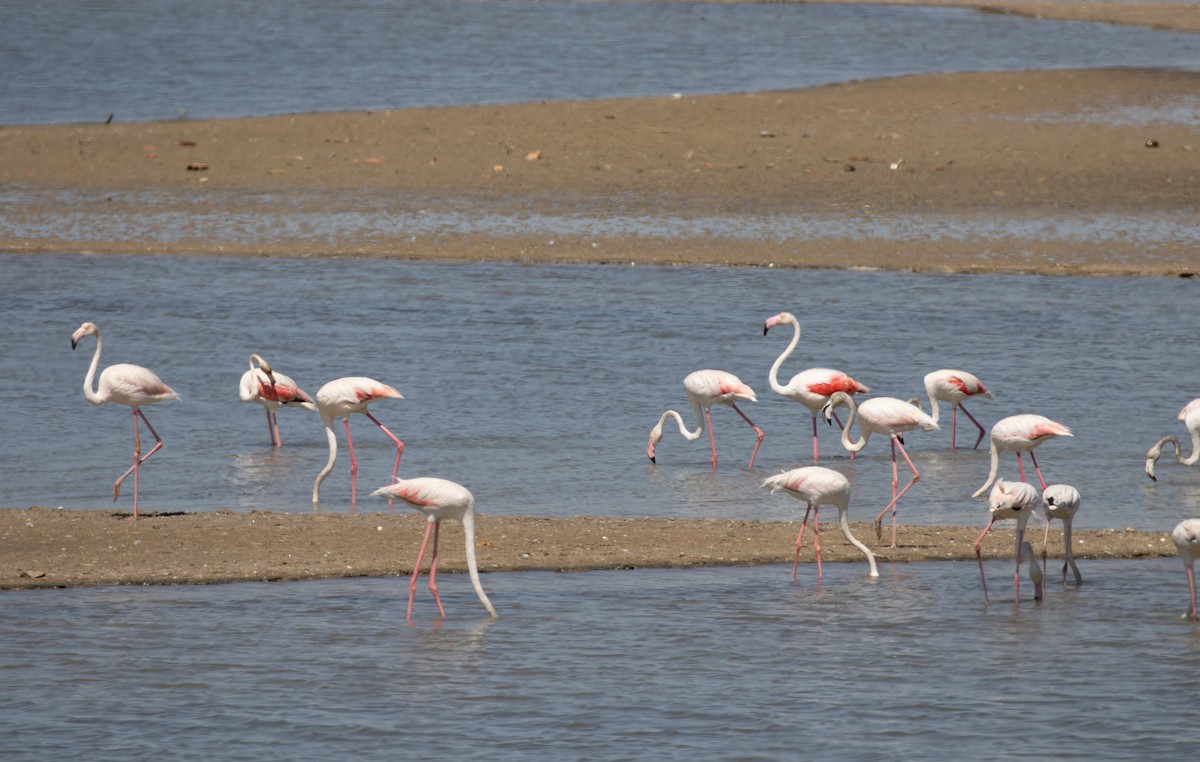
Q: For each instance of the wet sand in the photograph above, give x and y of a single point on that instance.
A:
(46, 547)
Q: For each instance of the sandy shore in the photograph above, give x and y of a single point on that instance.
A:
(44, 547)
(948, 151)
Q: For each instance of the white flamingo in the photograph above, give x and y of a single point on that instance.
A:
(706, 388)
(439, 499)
(1020, 433)
(271, 389)
(818, 486)
(1186, 537)
(130, 385)
(813, 387)
(1061, 501)
(1190, 415)
(341, 398)
(890, 417)
(1009, 500)
(954, 386)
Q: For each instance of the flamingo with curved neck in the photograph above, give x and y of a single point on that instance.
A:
(891, 417)
(271, 389)
(439, 499)
(813, 387)
(817, 486)
(130, 385)
(954, 386)
(706, 388)
(1061, 502)
(1020, 433)
(1010, 500)
(341, 398)
(1190, 415)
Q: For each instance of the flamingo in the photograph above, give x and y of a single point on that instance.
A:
(271, 390)
(130, 385)
(1190, 415)
(813, 387)
(1009, 500)
(1187, 540)
(706, 388)
(439, 499)
(891, 417)
(1020, 433)
(1061, 501)
(818, 486)
(954, 386)
(339, 399)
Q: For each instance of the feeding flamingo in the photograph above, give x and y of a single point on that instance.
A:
(706, 388)
(130, 385)
(1009, 500)
(1020, 433)
(439, 499)
(891, 417)
(339, 399)
(813, 387)
(1035, 571)
(1061, 501)
(271, 389)
(818, 486)
(1190, 415)
(954, 386)
(1187, 540)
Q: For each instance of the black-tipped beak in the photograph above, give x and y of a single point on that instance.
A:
(73, 343)
(764, 329)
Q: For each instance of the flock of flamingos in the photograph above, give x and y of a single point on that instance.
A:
(822, 390)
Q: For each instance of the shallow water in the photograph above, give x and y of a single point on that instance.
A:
(667, 664)
(76, 61)
(536, 385)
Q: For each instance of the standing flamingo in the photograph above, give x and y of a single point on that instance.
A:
(1061, 501)
(954, 386)
(818, 486)
(1009, 500)
(271, 389)
(1020, 433)
(1190, 415)
(439, 499)
(813, 387)
(339, 399)
(706, 388)
(1187, 541)
(130, 385)
(891, 417)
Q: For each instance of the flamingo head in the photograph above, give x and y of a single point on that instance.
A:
(87, 329)
(656, 435)
(774, 320)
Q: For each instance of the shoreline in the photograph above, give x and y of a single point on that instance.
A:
(57, 548)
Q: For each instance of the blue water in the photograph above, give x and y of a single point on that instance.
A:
(77, 61)
(536, 386)
(729, 663)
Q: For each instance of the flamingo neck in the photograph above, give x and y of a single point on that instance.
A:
(844, 522)
(992, 469)
(94, 397)
(1068, 553)
(791, 347)
(468, 522)
(934, 408)
(329, 435)
(852, 407)
(690, 436)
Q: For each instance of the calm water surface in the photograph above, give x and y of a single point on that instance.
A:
(77, 61)
(680, 664)
(536, 386)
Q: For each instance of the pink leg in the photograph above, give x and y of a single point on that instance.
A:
(953, 426)
(353, 461)
(437, 525)
(395, 439)
(817, 537)
(712, 442)
(277, 442)
(1017, 573)
(814, 439)
(757, 430)
(138, 459)
(1035, 468)
(1020, 467)
(270, 428)
(412, 583)
(979, 557)
(896, 496)
(1192, 590)
(800, 540)
(978, 425)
